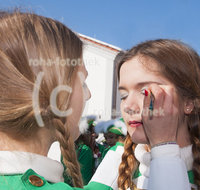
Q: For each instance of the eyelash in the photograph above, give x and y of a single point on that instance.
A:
(123, 97)
(84, 85)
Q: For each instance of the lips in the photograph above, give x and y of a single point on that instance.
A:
(134, 123)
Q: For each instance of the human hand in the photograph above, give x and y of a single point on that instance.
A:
(162, 125)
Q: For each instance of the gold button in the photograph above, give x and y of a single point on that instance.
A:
(36, 181)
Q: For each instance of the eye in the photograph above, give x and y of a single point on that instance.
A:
(124, 96)
(84, 85)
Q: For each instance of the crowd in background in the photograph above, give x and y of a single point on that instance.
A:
(95, 140)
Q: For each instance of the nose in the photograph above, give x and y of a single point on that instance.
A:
(88, 96)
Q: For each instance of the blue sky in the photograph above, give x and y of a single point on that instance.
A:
(123, 23)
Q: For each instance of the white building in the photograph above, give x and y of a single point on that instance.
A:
(99, 60)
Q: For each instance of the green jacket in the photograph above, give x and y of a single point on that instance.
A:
(32, 181)
(86, 160)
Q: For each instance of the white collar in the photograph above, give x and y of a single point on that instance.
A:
(144, 159)
(16, 162)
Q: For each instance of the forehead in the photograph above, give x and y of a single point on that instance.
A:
(139, 68)
(109, 135)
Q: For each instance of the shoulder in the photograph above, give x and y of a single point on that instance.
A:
(84, 147)
(84, 151)
(103, 149)
(30, 180)
(118, 147)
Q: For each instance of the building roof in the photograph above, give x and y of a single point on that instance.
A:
(100, 43)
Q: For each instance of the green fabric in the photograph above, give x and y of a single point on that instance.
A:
(115, 130)
(103, 150)
(99, 157)
(21, 182)
(137, 174)
(86, 161)
(116, 145)
(97, 186)
(90, 122)
(190, 175)
(11, 182)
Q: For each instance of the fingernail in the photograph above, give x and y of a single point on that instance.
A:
(146, 92)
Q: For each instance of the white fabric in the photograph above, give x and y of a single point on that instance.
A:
(151, 164)
(107, 172)
(55, 152)
(102, 126)
(15, 162)
(168, 158)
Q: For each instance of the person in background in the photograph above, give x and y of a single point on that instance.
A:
(84, 147)
(110, 164)
(87, 127)
(115, 133)
(89, 152)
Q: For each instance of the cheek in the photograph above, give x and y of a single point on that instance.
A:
(76, 103)
(78, 100)
(122, 108)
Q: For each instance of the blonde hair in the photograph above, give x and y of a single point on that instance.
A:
(30, 44)
(127, 166)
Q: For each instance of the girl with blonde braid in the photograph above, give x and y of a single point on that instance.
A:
(42, 96)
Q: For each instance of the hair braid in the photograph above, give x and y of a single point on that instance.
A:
(194, 125)
(68, 152)
(128, 165)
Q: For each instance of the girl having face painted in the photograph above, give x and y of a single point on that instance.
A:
(159, 83)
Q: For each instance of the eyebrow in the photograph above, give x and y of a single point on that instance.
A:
(140, 84)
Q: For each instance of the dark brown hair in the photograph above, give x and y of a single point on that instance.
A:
(30, 44)
(180, 64)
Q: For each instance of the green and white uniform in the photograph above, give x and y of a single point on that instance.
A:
(28, 171)
(86, 161)
(165, 167)
(107, 172)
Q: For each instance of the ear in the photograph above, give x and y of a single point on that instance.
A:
(188, 106)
